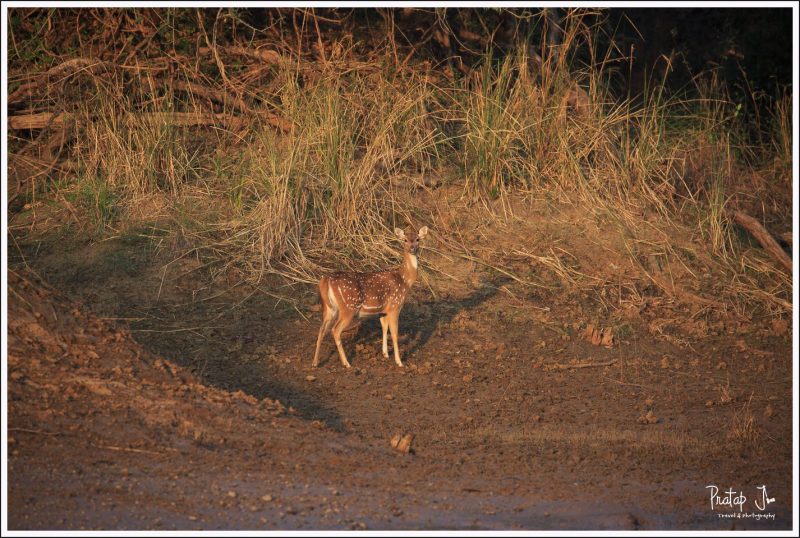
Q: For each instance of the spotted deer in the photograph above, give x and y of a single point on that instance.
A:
(346, 295)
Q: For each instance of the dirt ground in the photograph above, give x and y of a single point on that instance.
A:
(141, 398)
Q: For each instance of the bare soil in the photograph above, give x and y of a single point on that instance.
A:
(145, 398)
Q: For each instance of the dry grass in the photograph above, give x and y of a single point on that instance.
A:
(744, 429)
(659, 175)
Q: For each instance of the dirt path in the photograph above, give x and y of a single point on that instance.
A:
(236, 431)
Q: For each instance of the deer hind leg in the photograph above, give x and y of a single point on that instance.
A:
(385, 327)
(394, 319)
(341, 325)
(330, 312)
(328, 318)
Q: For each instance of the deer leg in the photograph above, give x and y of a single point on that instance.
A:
(393, 325)
(341, 325)
(385, 327)
(324, 328)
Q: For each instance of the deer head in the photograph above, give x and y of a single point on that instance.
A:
(411, 241)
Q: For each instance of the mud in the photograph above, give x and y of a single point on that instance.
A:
(135, 404)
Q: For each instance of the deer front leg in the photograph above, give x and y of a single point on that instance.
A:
(385, 327)
(393, 326)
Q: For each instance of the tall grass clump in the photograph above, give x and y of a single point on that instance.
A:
(324, 195)
(127, 154)
(494, 138)
(659, 172)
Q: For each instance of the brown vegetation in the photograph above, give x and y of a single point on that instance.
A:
(591, 303)
(317, 146)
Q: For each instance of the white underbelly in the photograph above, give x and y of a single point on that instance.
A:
(366, 310)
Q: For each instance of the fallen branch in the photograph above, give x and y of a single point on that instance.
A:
(264, 55)
(218, 96)
(38, 120)
(580, 365)
(223, 97)
(126, 449)
(183, 119)
(764, 238)
(38, 432)
(62, 70)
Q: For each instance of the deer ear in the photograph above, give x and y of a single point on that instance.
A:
(422, 232)
(400, 234)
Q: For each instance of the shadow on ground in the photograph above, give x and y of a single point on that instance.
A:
(418, 322)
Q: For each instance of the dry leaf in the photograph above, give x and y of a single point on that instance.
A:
(596, 337)
(607, 338)
(589, 332)
(599, 337)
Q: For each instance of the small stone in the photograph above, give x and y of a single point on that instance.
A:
(311, 378)
(231, 494)
(709, 403)
(266, 498)
(649, 418)
(404, 445)
(389, 397)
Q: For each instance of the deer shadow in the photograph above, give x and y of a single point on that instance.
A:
(416, 326)
(307, 406)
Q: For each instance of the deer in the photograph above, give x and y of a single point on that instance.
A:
(347, 295)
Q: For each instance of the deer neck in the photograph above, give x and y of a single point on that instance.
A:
(409, 269)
